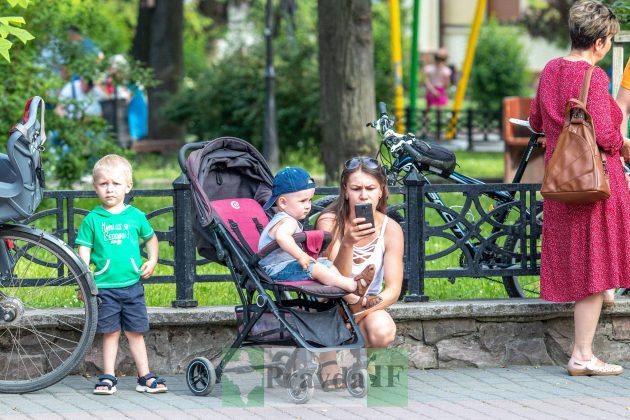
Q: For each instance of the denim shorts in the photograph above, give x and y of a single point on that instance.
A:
(122, 309)
(294, 271)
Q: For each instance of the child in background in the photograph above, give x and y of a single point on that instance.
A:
(109, 238)
(293, 189)
(437, 80)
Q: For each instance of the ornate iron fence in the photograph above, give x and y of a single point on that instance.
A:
(172, 221)
(476, 126)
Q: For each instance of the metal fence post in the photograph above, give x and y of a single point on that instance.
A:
(469, 128)
(185, 253)
(414, 246)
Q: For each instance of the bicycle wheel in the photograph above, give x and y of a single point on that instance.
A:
(48, 309)
(523, 286)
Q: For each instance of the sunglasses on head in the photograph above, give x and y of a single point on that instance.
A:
(367, 162)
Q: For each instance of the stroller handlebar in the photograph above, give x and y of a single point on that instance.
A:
(189, 147)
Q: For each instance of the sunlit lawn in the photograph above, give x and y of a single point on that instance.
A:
(159, 171)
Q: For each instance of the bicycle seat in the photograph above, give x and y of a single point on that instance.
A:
(8, 178)
(21, 176)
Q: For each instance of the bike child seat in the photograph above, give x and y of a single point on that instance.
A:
(21, 174)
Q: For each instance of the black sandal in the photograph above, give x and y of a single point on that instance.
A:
(153, 388)
(333, 382)
(111, 387)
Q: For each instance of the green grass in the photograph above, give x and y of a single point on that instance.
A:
(484, 165)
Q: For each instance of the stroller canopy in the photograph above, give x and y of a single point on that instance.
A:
(226, 167)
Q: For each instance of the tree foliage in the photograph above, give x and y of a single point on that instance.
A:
(227, 96)
(548, 19)
(500, 66)
(34, 70)
(10, 25)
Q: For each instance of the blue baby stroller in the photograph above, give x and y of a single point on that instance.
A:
(230, 181)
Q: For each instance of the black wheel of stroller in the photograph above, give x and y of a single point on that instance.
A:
(200, 376)
(357, 382)
(281, 369)
(301, 387)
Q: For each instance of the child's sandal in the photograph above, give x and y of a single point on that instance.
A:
(153, 388)
(111, 387)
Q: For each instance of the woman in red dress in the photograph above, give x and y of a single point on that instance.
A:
(585, 247)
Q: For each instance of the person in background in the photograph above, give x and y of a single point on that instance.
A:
(437, 78)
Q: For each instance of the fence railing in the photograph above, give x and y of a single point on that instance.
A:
(170, 214)
(476, 126)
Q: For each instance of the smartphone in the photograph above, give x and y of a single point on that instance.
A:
(364, 210)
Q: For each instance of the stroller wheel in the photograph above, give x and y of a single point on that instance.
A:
(280, 362)
(301, 387)
(357, 382)
(200, 376)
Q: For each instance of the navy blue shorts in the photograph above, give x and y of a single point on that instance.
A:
(122, 309)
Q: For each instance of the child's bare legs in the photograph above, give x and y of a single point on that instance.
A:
(139, 353)
(359, 284)
(110, 351)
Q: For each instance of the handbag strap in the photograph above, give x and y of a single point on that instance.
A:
(581, 102)
(586, 84)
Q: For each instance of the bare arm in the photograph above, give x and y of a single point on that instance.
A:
(393, 266)
(623, 99)
(85, 254)
(283, 234)
(340, 251)
(148, 267)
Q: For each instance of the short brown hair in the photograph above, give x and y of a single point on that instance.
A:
(590, 20)
(115, 162)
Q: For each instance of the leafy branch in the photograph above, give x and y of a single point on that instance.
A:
(10, 25)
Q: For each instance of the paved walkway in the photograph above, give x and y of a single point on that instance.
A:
(466, 393)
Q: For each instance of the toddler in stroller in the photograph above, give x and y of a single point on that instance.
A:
(230, 181)
(292, 192)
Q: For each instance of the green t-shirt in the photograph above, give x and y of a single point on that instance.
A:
(115, 246)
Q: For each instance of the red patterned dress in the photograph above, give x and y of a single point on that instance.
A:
(585, 247)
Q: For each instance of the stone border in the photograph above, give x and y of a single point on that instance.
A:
(441, 334)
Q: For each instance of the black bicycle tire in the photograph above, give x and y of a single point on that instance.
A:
(511, 284)
(86, 283)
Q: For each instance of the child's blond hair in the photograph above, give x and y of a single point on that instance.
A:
(114, 162)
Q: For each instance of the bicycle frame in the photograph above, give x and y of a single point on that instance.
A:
(500, 197)
(407, 163)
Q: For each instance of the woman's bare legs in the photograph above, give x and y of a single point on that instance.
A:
(378, 329)
(609, 297)
(586, 317)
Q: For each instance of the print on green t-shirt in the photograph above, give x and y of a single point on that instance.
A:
(115, 243)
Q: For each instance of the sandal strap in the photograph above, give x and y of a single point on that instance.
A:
(142, 380)
(111, 378)
(328, 363)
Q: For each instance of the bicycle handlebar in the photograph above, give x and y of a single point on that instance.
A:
(524, 123)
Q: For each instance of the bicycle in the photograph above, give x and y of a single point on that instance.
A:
(403, 154)
(48, 302)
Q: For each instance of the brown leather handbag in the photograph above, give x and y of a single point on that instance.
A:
(576, 172)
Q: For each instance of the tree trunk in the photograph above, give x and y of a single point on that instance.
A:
(159, 43)
(346, 68)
